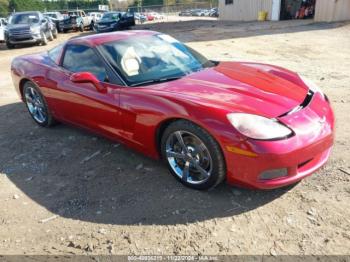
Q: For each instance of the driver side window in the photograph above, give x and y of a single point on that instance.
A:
(80, 58)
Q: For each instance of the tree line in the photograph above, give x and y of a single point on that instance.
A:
(9, 6)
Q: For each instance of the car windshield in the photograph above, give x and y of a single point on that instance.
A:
(153, 58)
(110, 16)
(54, 15)
(28, 18)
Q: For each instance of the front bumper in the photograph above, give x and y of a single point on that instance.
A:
(248, 160)
(25, 39)
(106, 29)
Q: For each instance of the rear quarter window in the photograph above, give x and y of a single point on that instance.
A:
(55, 54)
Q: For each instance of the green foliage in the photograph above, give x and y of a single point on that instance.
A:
(26, 5)
(4, 5)
(8, 6)
(74, 4)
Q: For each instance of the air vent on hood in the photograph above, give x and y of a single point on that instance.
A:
(304, 104)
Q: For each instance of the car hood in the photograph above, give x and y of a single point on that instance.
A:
(242, 87)
(107, 21)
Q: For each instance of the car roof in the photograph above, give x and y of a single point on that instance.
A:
(98, 39)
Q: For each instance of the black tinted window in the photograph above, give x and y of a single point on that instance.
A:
(79, 58)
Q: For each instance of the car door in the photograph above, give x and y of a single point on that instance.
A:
(85, 18)
(82, 103)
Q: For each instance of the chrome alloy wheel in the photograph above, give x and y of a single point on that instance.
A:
(35, 105)
(188, 157)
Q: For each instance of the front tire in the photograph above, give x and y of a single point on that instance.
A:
(43, 39)
(37, 106)
(55, 33)
(9, 45)
(81, 28)
(192, 155)
(50, 38)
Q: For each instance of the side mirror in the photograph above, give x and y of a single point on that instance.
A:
(87, 77)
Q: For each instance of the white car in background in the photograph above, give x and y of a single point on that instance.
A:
(2, 29)
(157, 16)
(96, 16)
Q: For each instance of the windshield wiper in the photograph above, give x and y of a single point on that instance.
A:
(160, 80)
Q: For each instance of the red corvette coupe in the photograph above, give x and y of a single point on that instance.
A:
(255, 125)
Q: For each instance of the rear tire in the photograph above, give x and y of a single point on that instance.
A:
(50, 38)
(36, 102)
(55, 33)
(81, 28)
(9, 45)
(198, 161)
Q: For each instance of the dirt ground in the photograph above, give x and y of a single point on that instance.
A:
(55, 200)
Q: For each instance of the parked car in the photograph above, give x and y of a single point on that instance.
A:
(149, 16)
(52, 26)
(76, 20)
(198, 12)
(140, 17)
(252, 124)
(113, 21)
(156, 16)
(27, 28)
(2, 29)
(96, 16)
(56, 17)
(214, 12)
(185, 13)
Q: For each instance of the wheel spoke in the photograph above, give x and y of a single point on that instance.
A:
(201, 148)
(181, 141)
(201, 169)
(186, 171)
(42, 112)
(175, 155)
(29, 99)
(40, 115)
(32, 92)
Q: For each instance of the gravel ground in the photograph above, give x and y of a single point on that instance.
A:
(66, 191)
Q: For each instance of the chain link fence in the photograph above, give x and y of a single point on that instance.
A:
(164, 10)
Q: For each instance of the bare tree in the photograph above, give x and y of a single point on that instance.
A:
(120, 4)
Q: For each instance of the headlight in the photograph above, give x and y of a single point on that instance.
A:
(35, 30)
(311, 85)
(258, 127)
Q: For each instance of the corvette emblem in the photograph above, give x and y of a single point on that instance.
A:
(322, 120)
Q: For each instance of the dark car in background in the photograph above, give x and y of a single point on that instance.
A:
(56, 17)
(27, 28)
(214, 12)
(114, 21)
